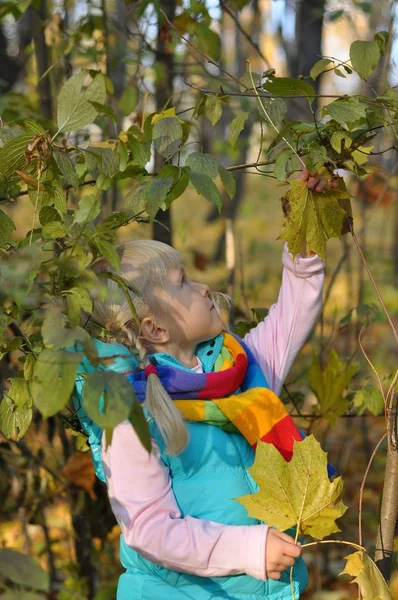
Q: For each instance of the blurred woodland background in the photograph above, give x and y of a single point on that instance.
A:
(51, 506)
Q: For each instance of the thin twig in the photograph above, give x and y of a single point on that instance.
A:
(363, 485)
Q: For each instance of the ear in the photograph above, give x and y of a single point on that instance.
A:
(153, 332)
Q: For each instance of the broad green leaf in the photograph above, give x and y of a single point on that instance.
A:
(141, 152)
(12, 156)
(53, 230)
(276, 109)
(228, 181)
(382, 38)
(319, 67)
(74, 103)
(135, 200)
(77, 299)
(281, 164)
(288, 86)
(23, 570)
(178, 188)
(48, 214)
(346, 110)
(53, 380)
(329, 384)
(312, 216)
(249, 78)
(129, 99)
(167, 136)
(52, 195)
(66, 167)
(236, 127)
(213, 108)
(139, 422)
(338, 137)
(108, 250)
(370, 581)
(16, 409)
(296, 493)
(102, 109)
(364, 57)
(155, 194)
(6, 228)
(316, 158)
(208, 40)
(89, 208)
(108, 398)
(202, 163)
(20, 595)
(205, 186)
(101, 161)
(369, 398)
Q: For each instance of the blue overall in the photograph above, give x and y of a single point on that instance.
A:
(206, 477)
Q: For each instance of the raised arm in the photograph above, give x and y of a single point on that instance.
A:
(145, 507)
(277, 340)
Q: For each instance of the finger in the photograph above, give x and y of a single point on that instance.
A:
(286, 537)
(313, 182)
(304, 174)
(286, 561)
(334, 184)
(321, 185)
(274, 575)
(291, 549)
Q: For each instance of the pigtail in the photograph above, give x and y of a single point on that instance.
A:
(167, 416)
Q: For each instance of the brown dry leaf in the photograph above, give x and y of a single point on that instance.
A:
(80, 471)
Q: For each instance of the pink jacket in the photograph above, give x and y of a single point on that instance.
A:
(139, 484)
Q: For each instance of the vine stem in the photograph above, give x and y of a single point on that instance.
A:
(269, 118)
(375, 286)
(352, 544)
(39, 172)
(363, 485)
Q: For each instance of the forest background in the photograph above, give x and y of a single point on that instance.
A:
(184, 78)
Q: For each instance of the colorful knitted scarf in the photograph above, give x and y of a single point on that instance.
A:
(236, 397)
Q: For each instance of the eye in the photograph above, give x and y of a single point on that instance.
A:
(184, 279)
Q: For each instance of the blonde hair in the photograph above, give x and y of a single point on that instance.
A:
(143, 267)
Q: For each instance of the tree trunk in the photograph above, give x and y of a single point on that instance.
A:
(38, 18)
(162, 227)
(305, 51)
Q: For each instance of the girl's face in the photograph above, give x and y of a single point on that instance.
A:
(190, 311)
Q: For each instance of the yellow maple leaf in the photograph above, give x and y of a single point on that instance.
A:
(296, 493)
(312, 216)
(368, 577)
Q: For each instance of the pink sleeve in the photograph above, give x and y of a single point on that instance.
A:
(145, 507)
(277, 340)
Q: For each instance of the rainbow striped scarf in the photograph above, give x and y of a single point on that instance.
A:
(236, 397)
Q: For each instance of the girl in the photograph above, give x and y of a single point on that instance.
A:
(208, 397)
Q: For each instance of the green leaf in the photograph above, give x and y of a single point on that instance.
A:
(101, 161)
(129, 99)
(208, 40)
(135, 200)
(77, 299)
(108, 250)
(288, 86)
(364, 57)
(66, 167)
(228, 181)
(6, 228)
(202, 163)
(296, 493)
(16, 409)
(369, 398)
(139, 422)
(338, 137)
(205, 186)
(167, 136)
(281, 164)
(141, 152)
(23, 570)
(317, 157)
(74, 104)
(48, 214)
(89, 208)
(236, 127)
(53, 230)
(276, 109)
(12, 156)
(329, 384)
(108, 398)
(371, 582)
(382, 38)
(178, 188)
(155, 194)
(319, 67)
(346, 110)
(20, 595)
(213, 109)
(53, 380)
(312, 216)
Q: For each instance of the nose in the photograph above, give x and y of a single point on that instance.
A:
(204, 288)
